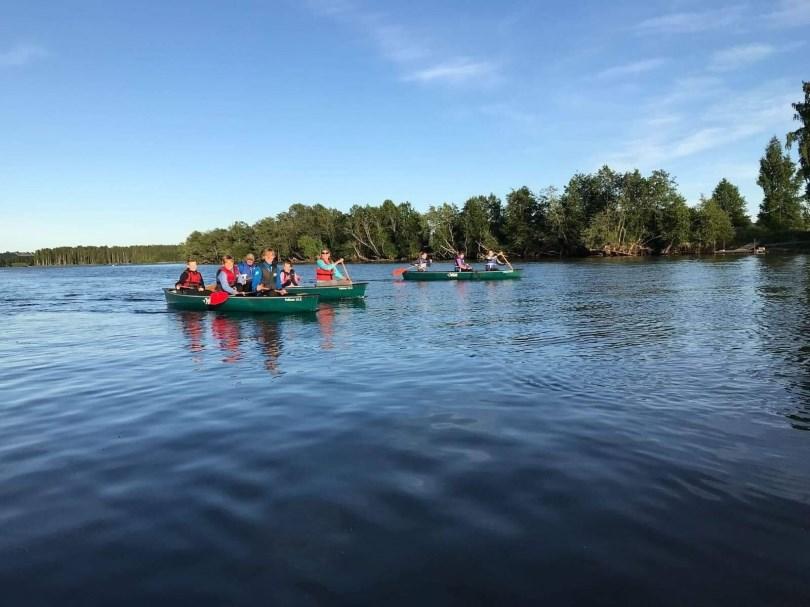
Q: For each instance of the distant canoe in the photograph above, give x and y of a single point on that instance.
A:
(237, 303)
(434, 276)
(332, 292)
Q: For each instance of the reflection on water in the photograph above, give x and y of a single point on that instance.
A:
(227, 333)
(269, 338)
(621, 422)
(191, 325)
(783, 326)
(326, 319)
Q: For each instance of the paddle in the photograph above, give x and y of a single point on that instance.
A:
(217, 298)
(346, 271)
(401, 271)
(502, 256)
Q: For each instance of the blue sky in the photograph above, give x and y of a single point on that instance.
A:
(138, 122)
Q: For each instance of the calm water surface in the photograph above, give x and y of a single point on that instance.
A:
(628, 432)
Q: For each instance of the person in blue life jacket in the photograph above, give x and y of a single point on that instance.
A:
(422, 262)
(326, 272)
(460, 264)
(190, 281)
(492, 260)
(266, 275)
(244, 280)
(288, 276)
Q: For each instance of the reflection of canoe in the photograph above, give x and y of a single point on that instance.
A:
(433, 275)
(332, 292)
(270, 304)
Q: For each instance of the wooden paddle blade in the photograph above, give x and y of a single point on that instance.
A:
(217, 298)
(211, 287)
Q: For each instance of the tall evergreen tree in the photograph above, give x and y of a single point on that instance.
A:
(781, 207)
(728, 196)
(801, 136)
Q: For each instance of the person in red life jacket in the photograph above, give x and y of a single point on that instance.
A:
(191, 281)
(227, 277)
(327, 272)
(288, 276)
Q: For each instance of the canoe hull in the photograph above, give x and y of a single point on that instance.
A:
(333, 292)
(258, 305)
(432, 276)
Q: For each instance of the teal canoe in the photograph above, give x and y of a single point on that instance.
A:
(332, 292)
(431, 276)
(285, 304)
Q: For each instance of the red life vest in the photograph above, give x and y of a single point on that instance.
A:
(321, 274)
(230, 275)
(193, 280)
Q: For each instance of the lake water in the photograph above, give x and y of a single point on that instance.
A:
(627, 431)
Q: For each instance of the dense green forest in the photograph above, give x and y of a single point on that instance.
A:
(154, 253)
(10, 258)
(606, 212)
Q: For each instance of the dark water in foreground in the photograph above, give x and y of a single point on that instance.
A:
(626, 432)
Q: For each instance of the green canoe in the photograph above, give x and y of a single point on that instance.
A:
(332, 292)
(431, 276)
(239, 303)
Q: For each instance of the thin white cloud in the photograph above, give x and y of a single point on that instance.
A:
(740, 56)
(632, 69)
(790, 13)
(692, 22)
(412, 53)
(22, 54)
(728, 119)
(457, 71)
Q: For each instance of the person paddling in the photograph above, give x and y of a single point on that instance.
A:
(288, 276)
(461, 265)
(422, 262)
(266, 275)
(227, 277)
(327, 272)
(191, 281)
(492, 260)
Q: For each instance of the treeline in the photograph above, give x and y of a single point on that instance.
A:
(63, 256)
(605, 212)
(13, 258)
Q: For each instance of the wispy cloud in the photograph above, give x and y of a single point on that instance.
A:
(459, 70)
(413, 54)
(692, 22)
(728, 119)
(631, 69)
(740, 56)
(22, 54)
(790, 13)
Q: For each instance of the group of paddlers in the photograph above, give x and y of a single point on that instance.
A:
(267, 277)
(491, 261)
